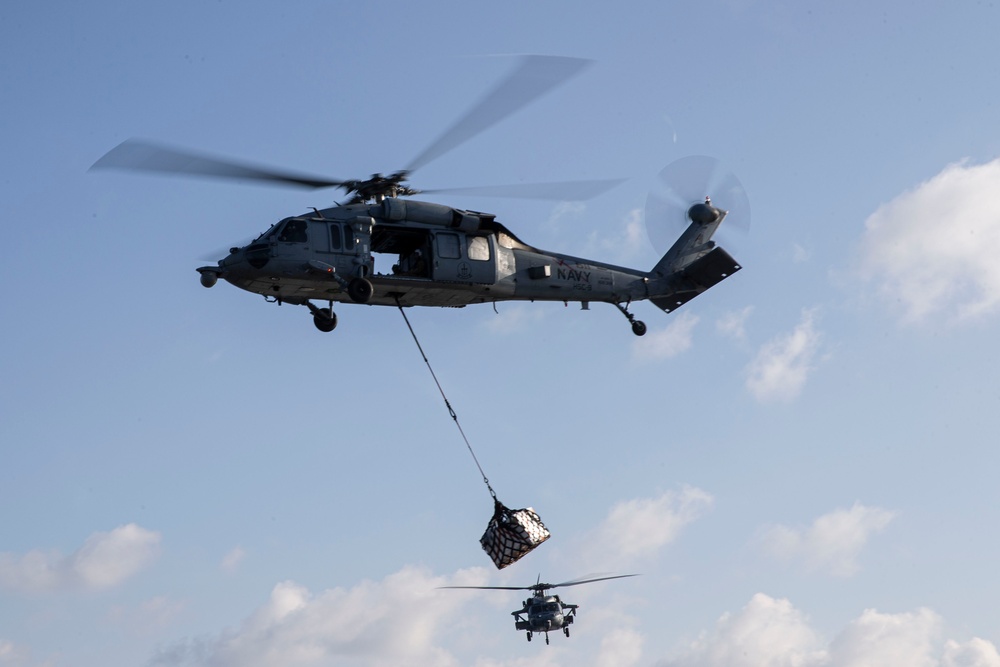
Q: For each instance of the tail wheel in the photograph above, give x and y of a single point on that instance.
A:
(360, 290)
(639, 328)
(325, 320)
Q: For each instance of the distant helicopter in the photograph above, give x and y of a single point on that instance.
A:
(545, 613)
(442, 256)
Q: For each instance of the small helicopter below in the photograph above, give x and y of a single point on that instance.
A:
(542, 612)
(443, 256)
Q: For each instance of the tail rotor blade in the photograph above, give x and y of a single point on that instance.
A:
(686, 182)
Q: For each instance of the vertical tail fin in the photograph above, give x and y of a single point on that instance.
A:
(694, 263)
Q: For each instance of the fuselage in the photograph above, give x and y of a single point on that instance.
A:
(455, 259)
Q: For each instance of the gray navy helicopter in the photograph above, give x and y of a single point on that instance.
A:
(543, 612)
(447, 257)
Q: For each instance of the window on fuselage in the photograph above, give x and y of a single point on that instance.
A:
(479, 248)
(294, 231)
(448, 248)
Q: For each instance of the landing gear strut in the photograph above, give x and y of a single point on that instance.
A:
(324, 318)
(638, 326)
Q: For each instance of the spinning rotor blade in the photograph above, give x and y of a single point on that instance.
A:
(576, 582)
(686, 182)
(493, 588)
(560, 191)
(136, 155)
(535, 76)
(543, 587)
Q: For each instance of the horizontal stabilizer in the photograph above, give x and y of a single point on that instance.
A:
(708, 270)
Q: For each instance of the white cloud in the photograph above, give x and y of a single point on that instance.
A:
(782, 366)
(639, 528)
(622, 647)
(565, 210)
(397, 621)
(832, 543)
(766, 633)
(888, 639)
(669, 342)
(771, 632)
(733, 324)
(933, 250)
(974, 653)
(628, 242)
(799, 254)
(513, 318)
(105, 560)
(231, 561)
(15, 655)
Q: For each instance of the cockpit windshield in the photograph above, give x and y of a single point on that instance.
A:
(289, 230)
(294, 231)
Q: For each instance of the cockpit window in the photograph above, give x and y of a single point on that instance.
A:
(294, 231)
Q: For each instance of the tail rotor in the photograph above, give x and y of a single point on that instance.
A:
(685, 190)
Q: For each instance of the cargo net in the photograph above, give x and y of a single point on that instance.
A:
(511, 534)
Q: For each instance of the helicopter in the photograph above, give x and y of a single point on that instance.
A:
(443, 256)
(545, 613)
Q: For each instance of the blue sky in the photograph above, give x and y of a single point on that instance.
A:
(800, 462)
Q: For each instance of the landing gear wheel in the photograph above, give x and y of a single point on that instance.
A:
(529, 636)
(360, 290)
(325, 320)
(566, 631)
(638, 326)
(546, 639)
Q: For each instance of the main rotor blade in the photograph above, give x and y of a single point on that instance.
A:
(137, 155)
(559, 191)
(572, 582)
(494, 588)
(535, 76)
(587, 581)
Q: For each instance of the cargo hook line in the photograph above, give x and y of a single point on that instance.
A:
(447, 403)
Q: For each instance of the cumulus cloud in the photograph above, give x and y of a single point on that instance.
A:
(766, 633)
(565, 210)
(932, 250)
(733, 324)
(782, 366)
(832, 543)
(514, 318)
(639, 528)
(771, 632)
(396, 621)
(14, 655)
(974, 653)
(622, 647)
(888, 639)
(231, 561)
(669, 342)
(105, 560)
(627, 243)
